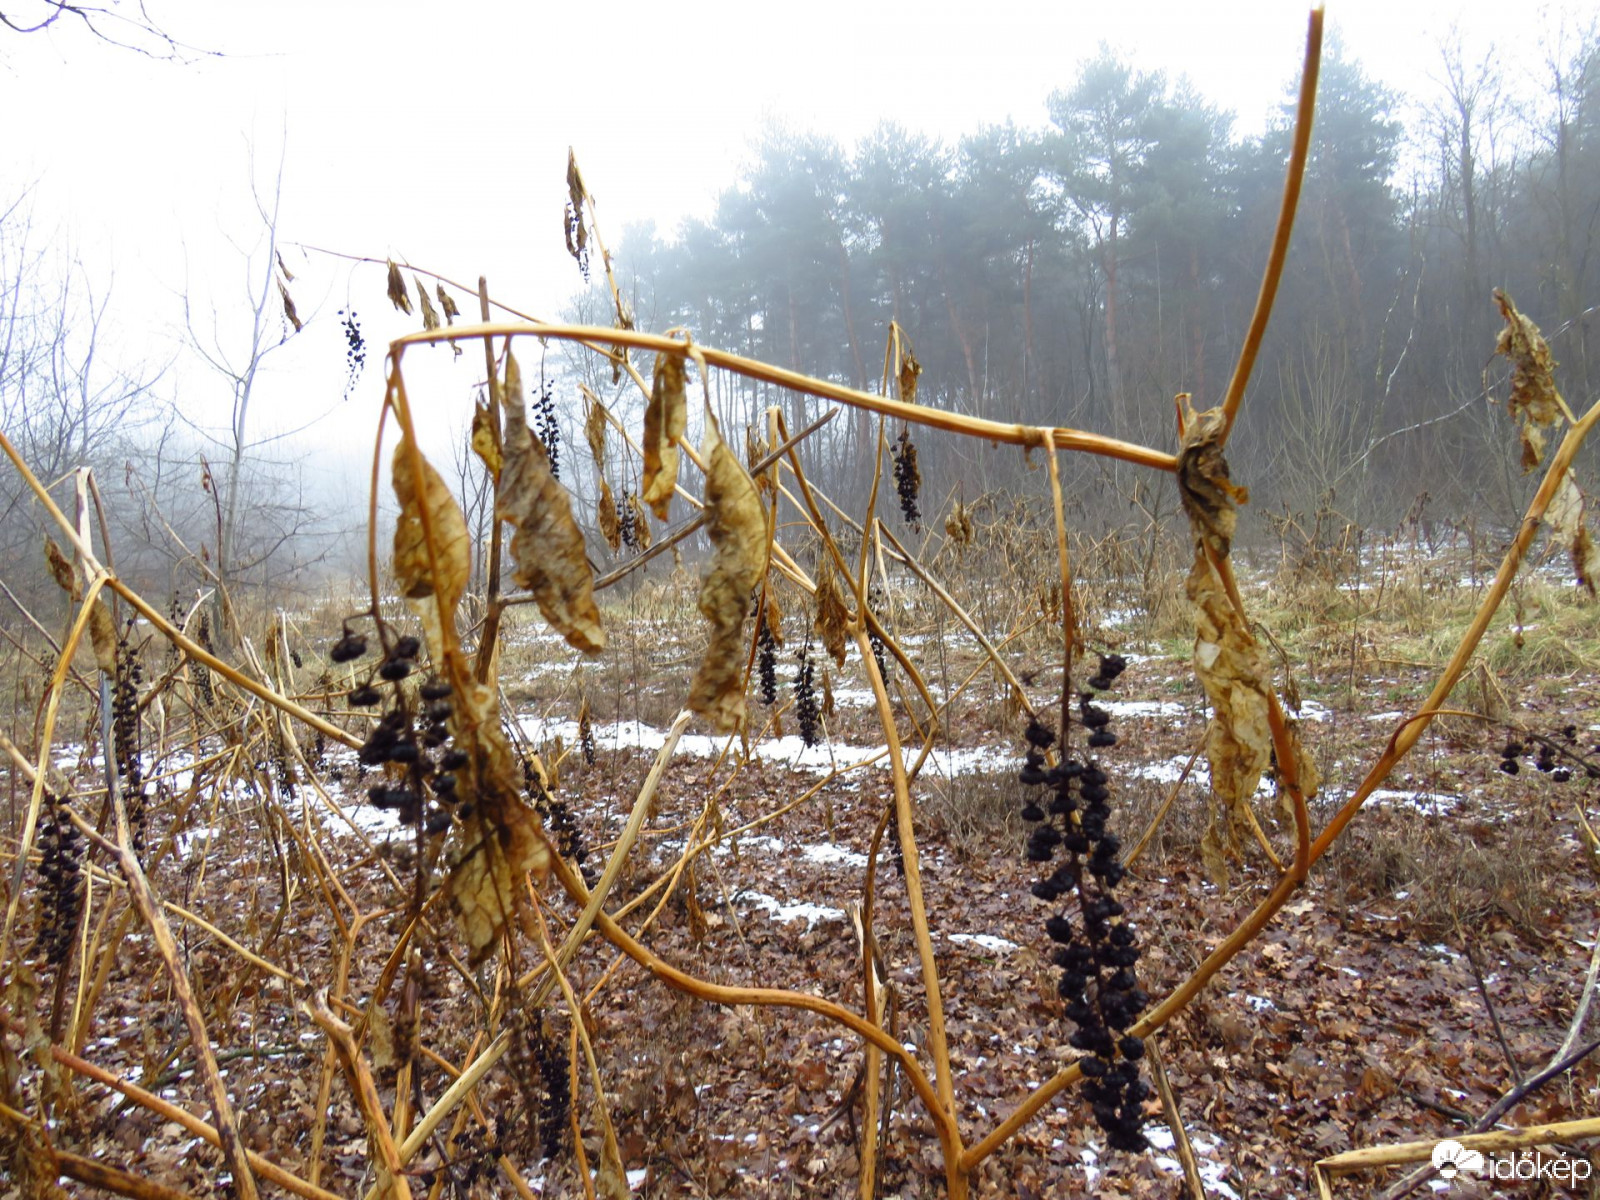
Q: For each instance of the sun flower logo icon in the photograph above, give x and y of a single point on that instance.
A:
(1451, 1158)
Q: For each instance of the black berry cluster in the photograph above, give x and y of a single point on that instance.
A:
(767, 662)
(545, 1082)
(546, 428)
(125, 736)
(626, 527)
(586, 734)
(1556, 756)
(355, 350)
(202, 673)
(907, 478)
(556, 814)
(412, 738)
(577, 241)
(880, 652)
(1096, 948)
(805, 697)
(61, 898)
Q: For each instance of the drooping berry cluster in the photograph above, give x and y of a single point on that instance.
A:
(805, 697)
(908, 478)
(627, 529)
(1554, 756)
(202, 673)
(125, 736)
(61, 897)
(767, 662)
(880, 652)
(1098, 951)
(414, 741)
(546, 428)
(586, 734)
(355, 351)
(544, 1081)
(556, 813)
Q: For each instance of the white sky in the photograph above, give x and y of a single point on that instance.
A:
(439, 133)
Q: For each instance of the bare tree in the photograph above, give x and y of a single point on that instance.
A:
(125, 26)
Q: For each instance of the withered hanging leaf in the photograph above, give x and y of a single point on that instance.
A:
(1214, 853)
(738, 530)
(594, 428)
(486, 439)
(503, 840)
(1208, 495)
(1566, 517)
(103, 635)
(1307, 775)
(61, 569)
(430, 315)
(448, 304)
(577, 234)
(1534, 400)
(666, 419)
(1233, 670)
(833, 618)
(397, 290)
(910, 370)
(547, 544)
(288, 275)
(958, 525)
(443, 574)
(755, 449)
(288, 307)
(606, 514)
(827, 709)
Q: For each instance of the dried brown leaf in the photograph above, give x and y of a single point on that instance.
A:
(288, 307)
(910, 370)
(594, 429)
(577, 234)
(486, 440)
(666, 419)
(738, 530)
(772, 615)
(1307, 775)
(61, 569)
(1534, 400)
(1209, 496)
(1233, 671)
(288, 275)
(641, 524)
(425, 497)
(447, 303)
(606, 514)
(547, 544)
(1566, 518)
(833, 618)
(103, 635)
(397, 290)
(958, 525)
(430, 315)
(502, 841)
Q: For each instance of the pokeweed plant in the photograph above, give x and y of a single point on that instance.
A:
(478, 803)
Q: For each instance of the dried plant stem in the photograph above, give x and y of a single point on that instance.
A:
(1279, 253)
(1180, 1135)
(994, 431)
(391, 1179)
(144, 898)
(1138, 850)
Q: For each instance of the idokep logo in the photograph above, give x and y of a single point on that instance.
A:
(1451, 1158)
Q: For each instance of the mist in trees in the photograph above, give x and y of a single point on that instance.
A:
(1084, 271)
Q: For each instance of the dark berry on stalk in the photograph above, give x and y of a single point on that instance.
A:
(1047, 891)
(348, 648)
(396, 669)
(1560, 775)
(435, 689)
(439, 710)
(1032, 812)
(1062, 805)
(1038, 735)
(364, 696)
(437, 824)
(453, 760)
(407, 647)
(1073, 983)
(1030, 775)
(1095, 718)
(403, 752)
(1059, 929)
(1511, 766)
(1092, 1067)
(1121, 935)
(1101, 739)
(444, 784)
(1132, 1047)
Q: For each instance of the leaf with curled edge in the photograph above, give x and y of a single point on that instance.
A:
(398, 296)
(605, 512)
(547, 545)
(1566, 518)
(833, 618)
(594, 428)
(666, 419)
(1209, 496)
(442, 573)
(738, 531)
(503, 840)
(1307, 775)
(1534, 400)
(430, 315)
(102, 629)
(486, 440)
